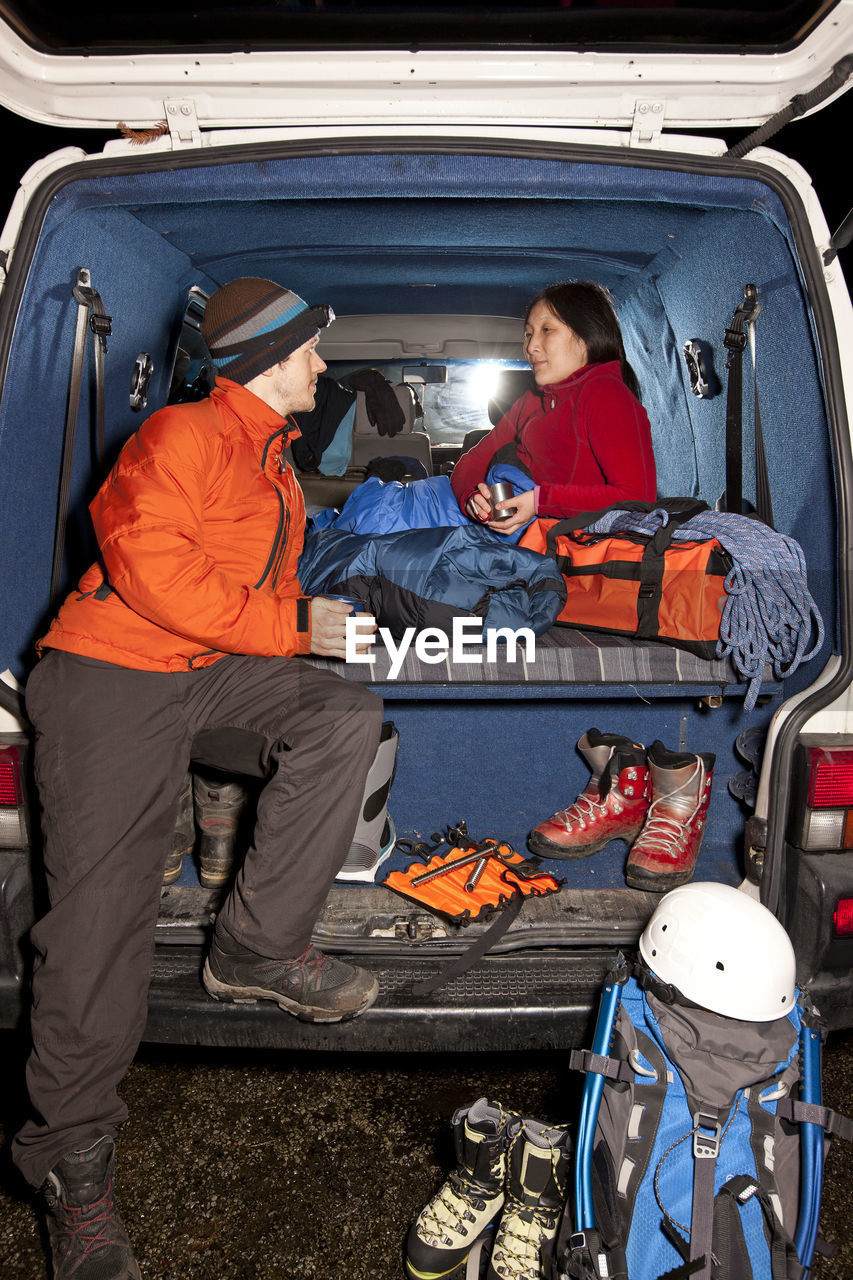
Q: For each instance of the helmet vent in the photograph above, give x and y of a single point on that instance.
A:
(720, 965)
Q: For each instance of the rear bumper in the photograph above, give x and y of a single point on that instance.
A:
(507, 1002)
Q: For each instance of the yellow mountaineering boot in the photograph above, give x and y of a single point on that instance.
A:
(473, 1195)
(538, 1163)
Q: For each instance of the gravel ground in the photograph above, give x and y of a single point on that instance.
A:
(303, 1167)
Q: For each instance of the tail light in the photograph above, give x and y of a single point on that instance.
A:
(13, 825)
(824, 818)
(842, 918)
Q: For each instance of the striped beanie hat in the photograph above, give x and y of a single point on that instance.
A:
(251, 324)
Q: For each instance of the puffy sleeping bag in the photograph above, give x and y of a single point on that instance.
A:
(427, 577)
(384, 506)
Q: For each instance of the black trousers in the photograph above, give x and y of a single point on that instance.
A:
(112, 748)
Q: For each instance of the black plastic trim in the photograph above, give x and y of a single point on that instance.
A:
(61, 31)
(478, 1012)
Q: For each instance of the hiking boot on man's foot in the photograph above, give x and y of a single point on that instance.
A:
(87, 1237)
(313, 986)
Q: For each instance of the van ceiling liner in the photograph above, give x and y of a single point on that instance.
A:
(93, 28)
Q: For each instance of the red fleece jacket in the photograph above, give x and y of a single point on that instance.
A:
(586, 442)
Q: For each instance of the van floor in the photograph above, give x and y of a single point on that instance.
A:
(593, 900)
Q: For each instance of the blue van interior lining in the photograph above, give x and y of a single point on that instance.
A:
(413, 232)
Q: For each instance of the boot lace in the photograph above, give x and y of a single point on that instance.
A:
(312, 964)
(89, 1228)
(522, 1232)
(452, 1206)
(580, 811)
(668, 836)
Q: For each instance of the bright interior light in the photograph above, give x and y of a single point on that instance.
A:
(483, 379)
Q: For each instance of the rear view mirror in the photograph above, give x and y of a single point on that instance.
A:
(425, 373)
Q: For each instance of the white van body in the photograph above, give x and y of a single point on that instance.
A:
(426, 194)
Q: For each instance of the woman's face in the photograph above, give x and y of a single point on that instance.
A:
(553, 350)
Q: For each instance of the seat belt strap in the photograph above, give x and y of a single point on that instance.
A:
(461, 964)
(741, 330)
(90, 315)
(763, 500)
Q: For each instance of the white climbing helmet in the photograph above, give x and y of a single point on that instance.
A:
(723, 950)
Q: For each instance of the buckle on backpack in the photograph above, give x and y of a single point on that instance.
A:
(707, 1131)
(584, 1247)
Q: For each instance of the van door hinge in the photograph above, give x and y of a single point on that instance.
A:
(183, 123)
(648, 123)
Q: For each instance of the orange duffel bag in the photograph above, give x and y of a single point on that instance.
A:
(643, 585)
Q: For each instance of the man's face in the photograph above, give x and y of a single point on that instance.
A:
(295, 379)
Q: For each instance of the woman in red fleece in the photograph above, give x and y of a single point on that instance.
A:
(582, 434)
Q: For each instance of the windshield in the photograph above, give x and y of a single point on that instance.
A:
(453, 407)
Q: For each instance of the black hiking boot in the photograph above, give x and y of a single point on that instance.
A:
(183, 837)
(87, 1237)
(313, 986)
(219, 804)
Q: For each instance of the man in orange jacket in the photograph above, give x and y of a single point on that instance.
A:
(181, 643)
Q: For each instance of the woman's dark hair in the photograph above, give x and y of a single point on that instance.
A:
(587, 308)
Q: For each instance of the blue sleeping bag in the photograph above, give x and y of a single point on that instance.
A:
(427, 577)
(384, 506)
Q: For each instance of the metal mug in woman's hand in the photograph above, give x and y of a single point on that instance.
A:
(500, 492)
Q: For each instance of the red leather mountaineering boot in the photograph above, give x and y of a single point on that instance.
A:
(612, 805)
(664, 854)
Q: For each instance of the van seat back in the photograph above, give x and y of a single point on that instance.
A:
(367, 443)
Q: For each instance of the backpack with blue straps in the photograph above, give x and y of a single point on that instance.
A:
(701, 1136)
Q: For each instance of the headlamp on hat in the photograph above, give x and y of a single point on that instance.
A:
(313, 319)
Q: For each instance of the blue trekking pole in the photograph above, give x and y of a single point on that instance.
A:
(590, 1103)
(811, 1173)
